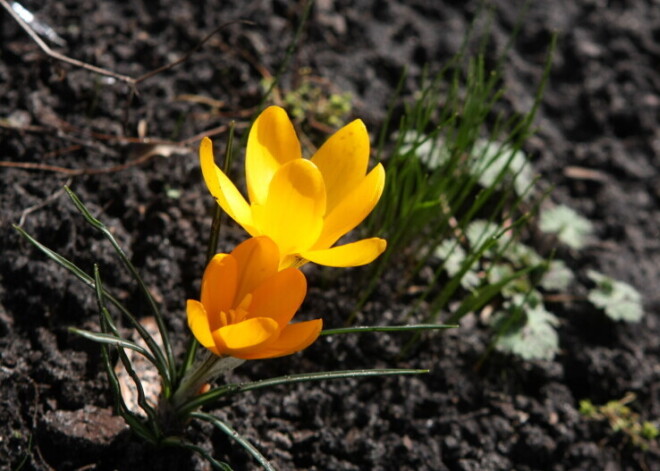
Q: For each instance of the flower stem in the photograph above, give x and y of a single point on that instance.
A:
(204, 371)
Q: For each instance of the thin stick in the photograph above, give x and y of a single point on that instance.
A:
(61, 57)
(81, 171)
(187, 55)
(100, 70)
(40, 205)
(115, 168)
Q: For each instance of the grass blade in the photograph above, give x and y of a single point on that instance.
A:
(386, 328)
(231, 389)
(238, 438)
(173, 441)
(89, 281)
(111, 339)
(106, 322)
(169, 357)
(131, 268)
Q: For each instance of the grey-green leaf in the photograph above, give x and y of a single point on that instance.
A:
(619, 300)
(558, 277)
(535, 339)
(570, 227)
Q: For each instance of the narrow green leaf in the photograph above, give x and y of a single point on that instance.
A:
(235, 388)
(188, 360)
(174, 441)
(89, 281)
(306, 10)
(120, 405)
(216, 224)
(169, 357)
(111, 339)
(106, 321)
(481, 296)
(238, 438)
(386, 328)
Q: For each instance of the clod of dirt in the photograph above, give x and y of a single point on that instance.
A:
(74, 438)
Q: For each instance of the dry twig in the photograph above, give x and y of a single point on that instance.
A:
(132, 81)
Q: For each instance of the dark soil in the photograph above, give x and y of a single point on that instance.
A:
(601, 111)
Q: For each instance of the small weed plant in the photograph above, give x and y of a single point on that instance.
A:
(622, 419)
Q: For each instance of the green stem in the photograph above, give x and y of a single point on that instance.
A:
(205, 371)
(216, 225)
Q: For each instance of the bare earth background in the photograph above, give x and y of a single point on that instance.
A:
(601, 111)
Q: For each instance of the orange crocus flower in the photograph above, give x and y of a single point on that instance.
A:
(247, 304)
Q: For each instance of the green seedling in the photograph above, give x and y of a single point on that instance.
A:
(526, 328)
(311, 101)
(619, 300)
(558, 276)
(622, 419)
(569, 227)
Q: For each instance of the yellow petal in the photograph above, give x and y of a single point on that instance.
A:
(199, 325)
(343, 161)
(353, 208)
(258, 259)
(280, 296)
(219, 287)
(350, 255)
(292, 339)
(222, 188)
(292, 215)
(247, 337)
(272, 142)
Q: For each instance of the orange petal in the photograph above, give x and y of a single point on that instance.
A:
(280, 296)
(219, 287)
(350, 255)
(247, 337)
(258, 259)
(199, 325)
(222, 188)
(353, 208)
(272, 142)
(292, 339)
(293, 212)
(343, 161)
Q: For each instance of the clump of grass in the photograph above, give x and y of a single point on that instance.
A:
(462, 198)
(459, 193)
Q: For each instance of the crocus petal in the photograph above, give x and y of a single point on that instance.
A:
(343, 161)
(246, 337)
(292, 339)
(199, 325)
(272, 142)
(292, 215)
(222, 188)
(350, 255)
(257, 259)
(353, 208)
(280, 296)
(219, 287)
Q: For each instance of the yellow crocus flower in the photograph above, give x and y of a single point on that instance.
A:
(305, 206)
(247, 304)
